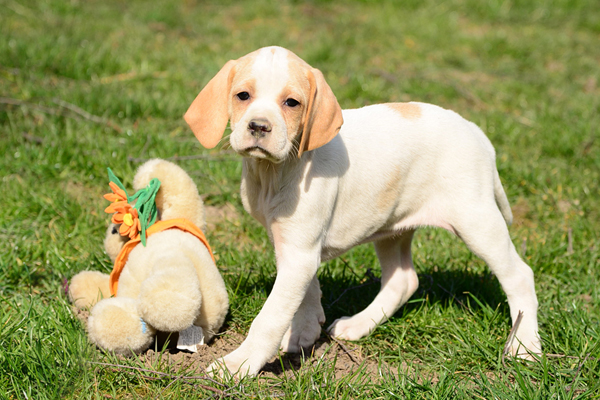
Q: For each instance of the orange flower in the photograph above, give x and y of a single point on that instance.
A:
(126, 216)
(116, 197)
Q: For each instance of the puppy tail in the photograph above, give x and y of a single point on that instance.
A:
(501, 199)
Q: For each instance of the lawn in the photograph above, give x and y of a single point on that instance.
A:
(86, 85)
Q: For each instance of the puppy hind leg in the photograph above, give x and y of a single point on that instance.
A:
(398, 282)
(485, 232)
(306, 324)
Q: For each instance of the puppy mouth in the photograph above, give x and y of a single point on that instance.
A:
(258, 152)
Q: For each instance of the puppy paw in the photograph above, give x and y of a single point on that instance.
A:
(525, 347)
(351, 328)
(304, 331)
(235, 365)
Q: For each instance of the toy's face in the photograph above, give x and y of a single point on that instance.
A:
(113, 242)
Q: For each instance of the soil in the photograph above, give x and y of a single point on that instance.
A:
(326, 353)
(343, 358)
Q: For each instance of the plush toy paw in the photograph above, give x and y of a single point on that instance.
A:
(87, 288)
(170, 302)
(115, 325)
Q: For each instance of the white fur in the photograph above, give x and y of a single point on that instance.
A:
(390, 170)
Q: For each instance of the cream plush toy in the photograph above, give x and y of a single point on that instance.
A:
(165, 278)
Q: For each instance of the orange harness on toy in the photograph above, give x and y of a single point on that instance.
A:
(159, 226)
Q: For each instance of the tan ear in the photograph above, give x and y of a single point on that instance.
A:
(323, 118)
(209, 112)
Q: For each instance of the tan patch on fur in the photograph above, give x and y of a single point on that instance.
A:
(298, 84)
(407, 110)
(238, 107)
(388, 196)
(298, 89)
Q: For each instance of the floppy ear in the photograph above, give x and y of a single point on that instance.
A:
(323, 118)
(209, 112)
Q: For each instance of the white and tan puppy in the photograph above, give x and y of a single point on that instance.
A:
(320, 190)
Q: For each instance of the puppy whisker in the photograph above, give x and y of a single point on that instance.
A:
(225, 143)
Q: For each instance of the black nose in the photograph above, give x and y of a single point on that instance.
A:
(259, 127)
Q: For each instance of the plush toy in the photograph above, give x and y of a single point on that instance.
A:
(164, 277)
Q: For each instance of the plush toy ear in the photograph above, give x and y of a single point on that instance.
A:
(209, 112)
(323, 118)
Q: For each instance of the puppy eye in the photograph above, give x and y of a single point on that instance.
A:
(243, 96)
(291, 102)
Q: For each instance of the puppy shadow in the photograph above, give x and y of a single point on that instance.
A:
(289, 362)
(337, 359)
(348, 295)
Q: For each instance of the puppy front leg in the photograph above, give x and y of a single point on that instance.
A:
(306, 325)
(295, 271)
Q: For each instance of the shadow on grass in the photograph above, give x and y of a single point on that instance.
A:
(349, 294)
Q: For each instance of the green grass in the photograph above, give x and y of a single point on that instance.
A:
(527, 72)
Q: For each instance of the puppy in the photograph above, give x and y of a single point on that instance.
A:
(320, 187)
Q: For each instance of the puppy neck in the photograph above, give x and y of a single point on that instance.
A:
(273, 176)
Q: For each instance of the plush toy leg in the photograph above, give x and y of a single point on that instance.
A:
(87, 288)
(116, 325)
(170, 301)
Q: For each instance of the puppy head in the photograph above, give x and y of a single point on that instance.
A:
(276, 103)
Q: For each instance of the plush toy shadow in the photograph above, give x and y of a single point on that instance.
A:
(171, 284)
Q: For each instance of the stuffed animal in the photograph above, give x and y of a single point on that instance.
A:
(164, 277)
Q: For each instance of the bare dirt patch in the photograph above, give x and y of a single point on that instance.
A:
(521, 210)
(83, 194)
(343, 359)
(216, 215)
